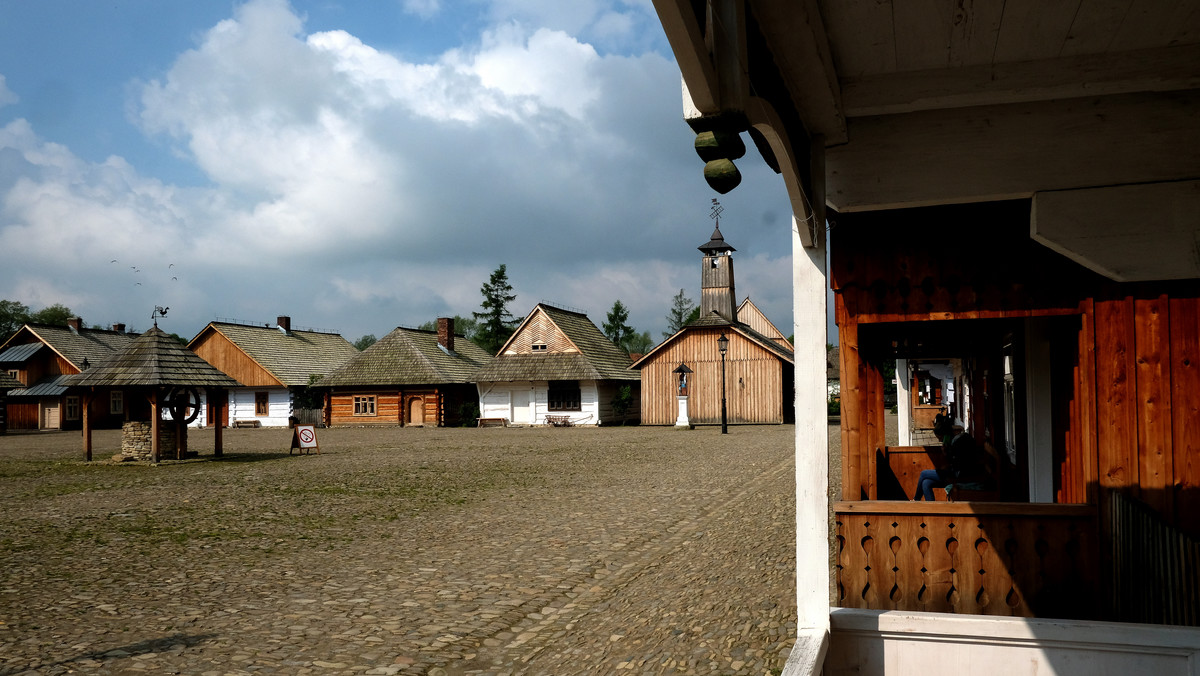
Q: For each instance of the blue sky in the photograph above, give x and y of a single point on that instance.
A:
(358, 166)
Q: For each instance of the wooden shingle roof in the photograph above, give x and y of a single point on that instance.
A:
(152, 359)
(597, 357)
(8, 382)
(290, 357)
(95, 345)
(410, 357)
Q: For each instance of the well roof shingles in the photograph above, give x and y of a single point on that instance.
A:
(152, 359)
(410, 357)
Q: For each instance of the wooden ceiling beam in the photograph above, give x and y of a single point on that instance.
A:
(685, 33)
(1012, 151)
(1150, 70)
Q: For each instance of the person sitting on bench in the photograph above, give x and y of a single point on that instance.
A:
(962, 456)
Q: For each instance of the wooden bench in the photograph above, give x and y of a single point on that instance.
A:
(247, 423)
(493, 422)
(559, 421)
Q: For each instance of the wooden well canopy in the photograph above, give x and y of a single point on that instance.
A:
(153, 364)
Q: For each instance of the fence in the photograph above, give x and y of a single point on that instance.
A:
(1155, 566)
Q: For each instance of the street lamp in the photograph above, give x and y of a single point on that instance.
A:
(723, 345)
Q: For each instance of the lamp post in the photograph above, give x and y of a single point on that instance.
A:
(723, 345)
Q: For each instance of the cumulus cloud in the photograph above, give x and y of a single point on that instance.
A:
(6, 96)
(371, 191)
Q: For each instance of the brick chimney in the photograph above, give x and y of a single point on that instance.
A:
(75, 324)
(284, 323)
(119, 327)
(446, 332)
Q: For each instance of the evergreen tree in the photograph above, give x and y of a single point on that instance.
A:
(639, 343)
(682, 313)
(615, 327)
(495, 323)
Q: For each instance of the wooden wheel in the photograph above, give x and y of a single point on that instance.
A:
(179, 401)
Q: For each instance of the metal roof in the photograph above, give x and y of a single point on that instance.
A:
(46, 387)
(19, 354)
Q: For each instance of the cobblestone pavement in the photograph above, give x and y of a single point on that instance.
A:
(403, 551)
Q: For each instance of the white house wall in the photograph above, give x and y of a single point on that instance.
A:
(495, 401)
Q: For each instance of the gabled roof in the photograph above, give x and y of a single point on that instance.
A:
(153, 358)
(749, 314)
(410, 357)
(592, 356)
(714, 320)
(95, 345)
(289, 357)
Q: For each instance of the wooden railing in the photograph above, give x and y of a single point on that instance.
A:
(1027, 560)
(1155, 566)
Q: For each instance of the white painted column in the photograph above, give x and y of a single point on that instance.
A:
(903, 403)
(1038, 411)
(682, 420)
(812, 456)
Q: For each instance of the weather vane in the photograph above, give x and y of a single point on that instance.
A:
(715, 213)
(159, 311)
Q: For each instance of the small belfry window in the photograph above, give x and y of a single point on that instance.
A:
(262, 404)
(364, 405)
(563, 395)
(538, 346)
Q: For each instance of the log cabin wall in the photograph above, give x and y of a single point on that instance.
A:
(1126, 378)
(387, 408)
(755, 380)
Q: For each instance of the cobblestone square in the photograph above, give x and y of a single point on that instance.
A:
(402, 551)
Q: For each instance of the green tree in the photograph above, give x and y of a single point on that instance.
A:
(365, 342)
(683, 312)
(639, 343)
(13, 315)
(465, 326)
(55, 315)
(495, 323)
(615, 326)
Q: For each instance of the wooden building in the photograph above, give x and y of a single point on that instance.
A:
(7, 383)
(1012, 191)
(272, 363)
(758, 361)
(558, 364)
(409, 377)
(39, 356)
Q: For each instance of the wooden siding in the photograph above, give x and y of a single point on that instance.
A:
(758, 384)
(219, 351)
(387, 408)
(442, 406)
(981, 558)
(541, 328)
(1125, 358)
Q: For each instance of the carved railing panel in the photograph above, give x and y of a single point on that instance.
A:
(968, 558)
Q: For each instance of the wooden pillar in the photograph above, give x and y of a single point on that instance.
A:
(86, 403)
(155, 414)
(221, 399)
(180, 439)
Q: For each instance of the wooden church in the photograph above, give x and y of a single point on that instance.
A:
(758, 359)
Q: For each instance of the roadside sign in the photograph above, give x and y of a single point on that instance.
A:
(304, 437)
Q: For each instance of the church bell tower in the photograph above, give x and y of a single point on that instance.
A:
(716, 274)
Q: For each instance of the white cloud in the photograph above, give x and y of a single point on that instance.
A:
(6, 95)
(422, 8)
(368, 191)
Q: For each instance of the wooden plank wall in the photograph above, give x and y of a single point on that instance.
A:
(228, 358)
(387, 409)
(1132, 421)
(756, 388)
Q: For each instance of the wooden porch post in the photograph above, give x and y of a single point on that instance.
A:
(180, 439)
(86, 402)
(217, 399)
(154, 416)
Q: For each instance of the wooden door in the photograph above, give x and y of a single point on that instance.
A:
(521, 413)
(416, 411)
(50, 418)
